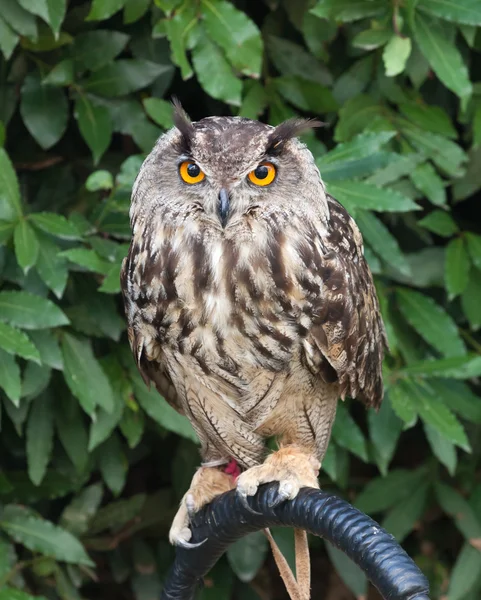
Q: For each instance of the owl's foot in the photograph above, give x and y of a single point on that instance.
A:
(207, 483)
(292, 467)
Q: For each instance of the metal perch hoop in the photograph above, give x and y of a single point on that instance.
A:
(225, 520)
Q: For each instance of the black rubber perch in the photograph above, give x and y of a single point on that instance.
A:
(224, 521)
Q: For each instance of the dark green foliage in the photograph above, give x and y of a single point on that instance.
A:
(92, 463)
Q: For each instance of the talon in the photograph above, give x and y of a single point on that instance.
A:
(281, 496)
(189, 545)
(243, 500)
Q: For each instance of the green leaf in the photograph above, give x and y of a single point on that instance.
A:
(439, 222)
(382, 241)
(306, 95)
(347, 434)
(457, 367)
(29, 311)
(80, 367)
(8, 593)
(291, 59)
(44, 537)
(52, 267)
(8, 39)
(99, 180)
(10, 204)
(135, 10)
(10, 380)
(357, 194)
(429, 117)
(435, 42)
(348, 10)
(94, 49)
(48, 348)
(432, 411)
(474, 248)
(39, 437)
(402, 404)
(370, 39)
(395, 55)
(44, 110)
(220, 83)
(384, 431)
(431, 322)
(158, 409)
(352, 575)
(159, 111)
(95, 126)
(88, 259)
(55, 224)
(132, 426)
(178, 27)
(51, 11)
(401, 519)
(63, 73)
(457, 507)
(123, 76)
(111, 282)
(26, 245)
(76, 516)
(429, 183)
(104, 9)
(465, 573)
(72, 431)
(447, 155)
(236, 34)
(471, 300)
(382, 493)
(442, 448)
(462, 11)
(15, 341)
(357, 114)
(457, 267)
(113, 464)
(247, 555)
(117, 513)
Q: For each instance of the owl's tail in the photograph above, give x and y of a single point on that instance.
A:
(300, 588)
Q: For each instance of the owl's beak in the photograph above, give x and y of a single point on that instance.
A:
(224, 206)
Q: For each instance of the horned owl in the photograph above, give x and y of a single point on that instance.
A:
(250, 305)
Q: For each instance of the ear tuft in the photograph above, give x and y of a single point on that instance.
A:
(288, 130)
(183, 124)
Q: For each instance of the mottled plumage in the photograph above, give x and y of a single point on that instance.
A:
(255, 328)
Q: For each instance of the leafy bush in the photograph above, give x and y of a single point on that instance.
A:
(92, 463)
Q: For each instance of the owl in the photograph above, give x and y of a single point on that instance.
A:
(249, 302)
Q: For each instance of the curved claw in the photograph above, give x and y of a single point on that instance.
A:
(243, 500)
(188, 545)
(282, 495)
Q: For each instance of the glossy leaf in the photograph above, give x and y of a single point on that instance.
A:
(42, 536)
(94, 49)
(39, 437)
(220, 83)
(81, 366)
(437, 46)
(464, 11)
(28, 311)
(10, 380)
(431, 322)
(439, 222)
(95, 125)
(235, 33)
(10, 204)
(16, 342)
(103, 9)
(123, 76)
(395, 55)
(247, 555)
(26, 245)
(44, 110)
(457, 267)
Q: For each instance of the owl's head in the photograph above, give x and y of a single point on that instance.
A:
(221, 169)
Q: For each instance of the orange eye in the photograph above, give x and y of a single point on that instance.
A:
(263, 175)
(190, 172)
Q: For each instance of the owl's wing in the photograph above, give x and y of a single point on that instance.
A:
(346, 327)
(151, 371)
